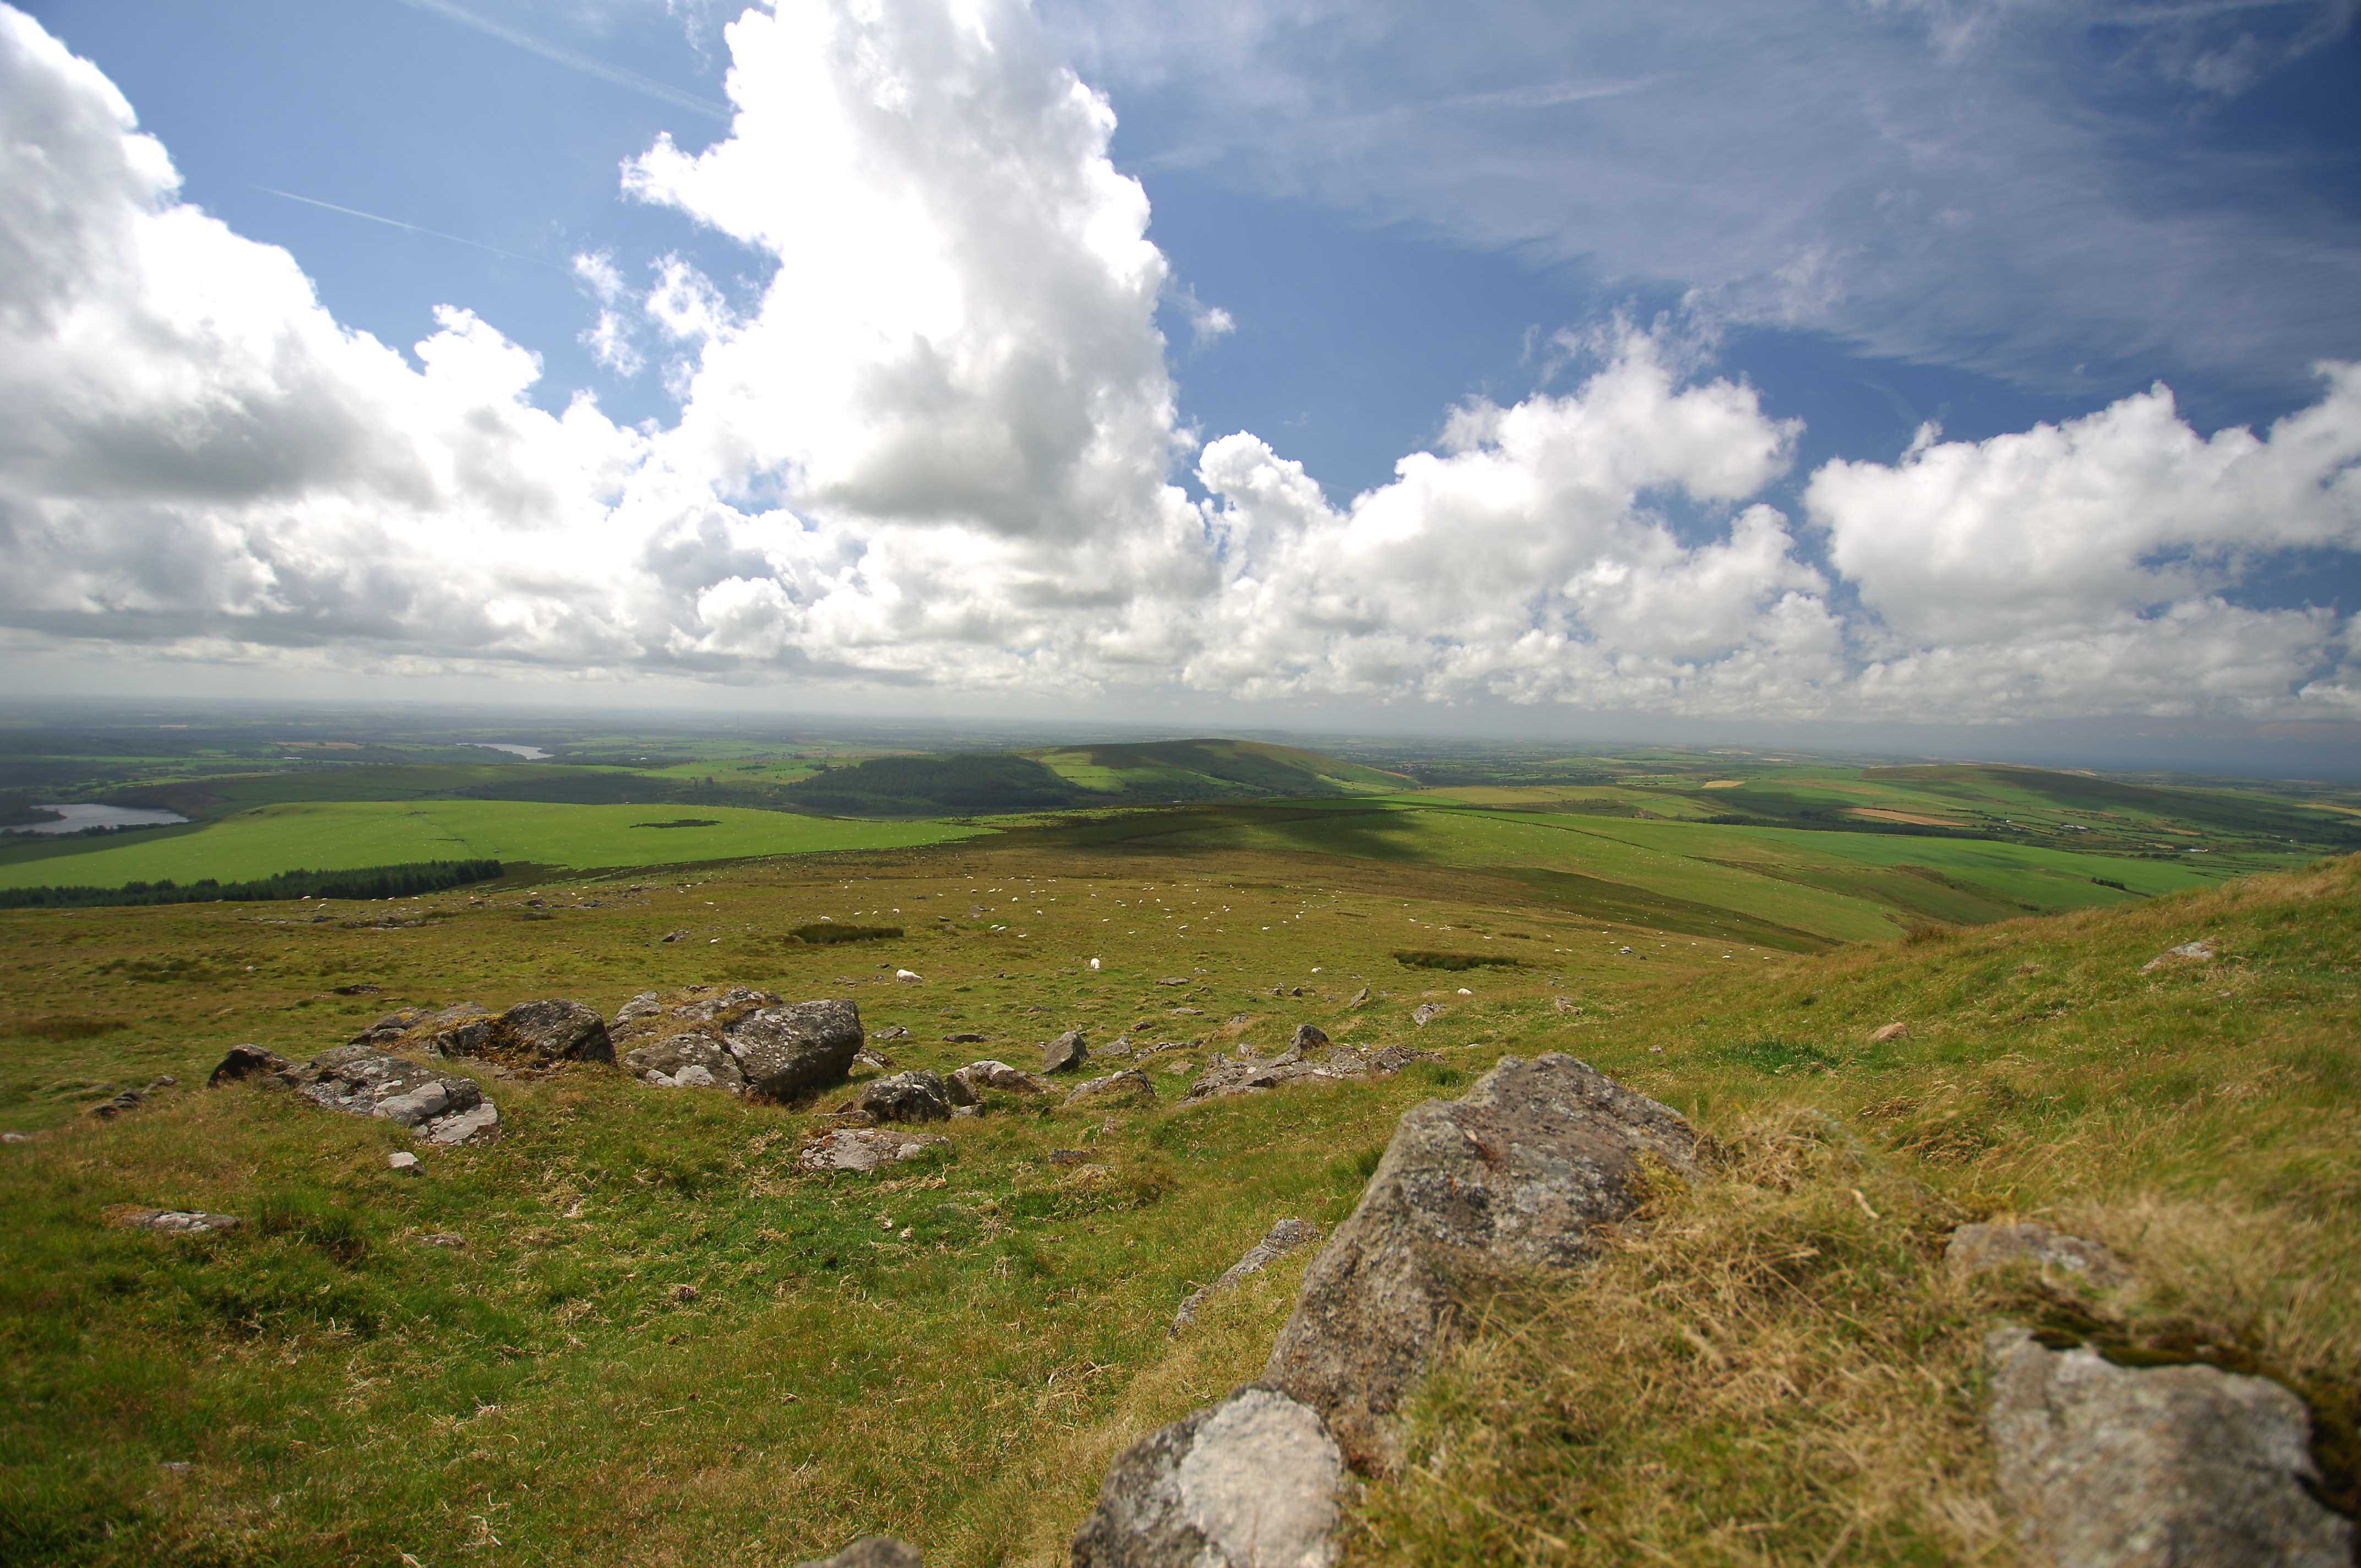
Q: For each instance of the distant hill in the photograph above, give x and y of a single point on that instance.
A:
(1157, 772)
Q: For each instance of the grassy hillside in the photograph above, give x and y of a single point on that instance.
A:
(1775, 1371)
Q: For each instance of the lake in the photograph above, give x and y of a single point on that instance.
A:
(77, 818)
(530, 753)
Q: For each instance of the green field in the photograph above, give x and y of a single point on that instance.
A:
(333, 835)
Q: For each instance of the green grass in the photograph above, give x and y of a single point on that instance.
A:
(347, 1393)
(332, 835)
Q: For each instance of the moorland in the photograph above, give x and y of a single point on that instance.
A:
(658, 1340)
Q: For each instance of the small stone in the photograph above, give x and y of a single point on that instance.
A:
(1358, 997)
(674, 936)
(1308, 1036)
(872, 1552)
(916, 1096)
(443, 1238)
(176, 1466)
(2197, 952)
(402, 1160)
(1066, 1053)
(1982, 1249)
(1425, 1013)
(865, 1148)
(685, 1293)
(1890, 1032)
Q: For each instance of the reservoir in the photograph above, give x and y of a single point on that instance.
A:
(77, 818)
(530, 753)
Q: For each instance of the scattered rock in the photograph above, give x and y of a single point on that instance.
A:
(1981, 1249)
(1565, 1004)
(533, 1032)
(965, 1037)
(1308, 1036)
(402, 1160)
(1512, 1177)
(398, 1026)
(1067, 1053)
(360, 1082)
(1252, 1077)
(1425, 1013)
(1890, 1032)
(979, 1076)
(684, 1294)
(906, 1097)
(358, 989)
(1358, 997)
(175, 1466)
(244, 1062)
(1282, 1238)
(873, 1551)
(443, 1238)
(686, 1061)
(2155, 1467)
(674, 936)
(18, 1137)
(875, 1061)
(176, 1222)
(107, 1110)
(1176, 980)
(891, 1032)
(1129, 1084)
(1252, 1482)
(2197, 952)
(865, 1148)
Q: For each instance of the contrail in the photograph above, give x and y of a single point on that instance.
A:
(397, 223)
(583, 63)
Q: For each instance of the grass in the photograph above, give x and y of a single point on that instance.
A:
(332, 835)
(1710, 1393)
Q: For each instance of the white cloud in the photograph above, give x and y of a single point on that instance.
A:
(936, 453)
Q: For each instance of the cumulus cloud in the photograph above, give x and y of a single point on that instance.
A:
(935, 450)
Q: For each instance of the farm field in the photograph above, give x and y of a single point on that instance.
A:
(331, 835)
(661, 1342)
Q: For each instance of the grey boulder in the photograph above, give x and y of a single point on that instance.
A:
(865, 1148)
(918, 1096)
(1130, 1084)
(686, 1061)
(1067, 1053)
(978, 1076)
(785, 1051)
(1249, 1483)
(244, 1062)
(1512, 1177)
(177, 1222)
(2107, 1467)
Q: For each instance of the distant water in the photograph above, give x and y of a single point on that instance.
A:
(530, 753)
(78, 817)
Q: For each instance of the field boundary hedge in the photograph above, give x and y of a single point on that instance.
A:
(368, 882)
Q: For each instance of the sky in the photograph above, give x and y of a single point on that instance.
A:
(1963, 370)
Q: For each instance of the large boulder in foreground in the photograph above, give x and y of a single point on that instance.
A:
(437, 1108)
(1513, 1177)
(2108, 1466)
(1249, 1483)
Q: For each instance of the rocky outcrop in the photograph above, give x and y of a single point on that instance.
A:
(1067, 1053)
(1130, 1085)
(738, 1039)
(978, 1076)
(1246, 1075)
(2198, 952)
(176, 1222)
(906, 1097)
(1513, 1177)
(1249, 1483)
(1986, 1249)
(2108, 1466)
(865, 1148)
(444, 1109)
(1284, 1237)
(244, 1062)
(532, 1034)
(872, 1552)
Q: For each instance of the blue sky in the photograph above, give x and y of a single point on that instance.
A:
(1665, 295)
